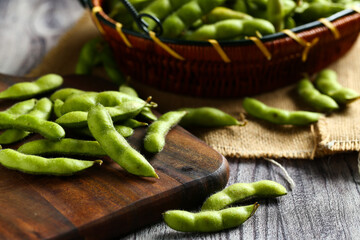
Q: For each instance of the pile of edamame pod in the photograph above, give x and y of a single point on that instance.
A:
(200, 20)
(87, 124)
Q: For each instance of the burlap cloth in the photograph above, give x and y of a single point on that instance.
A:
(339, 132)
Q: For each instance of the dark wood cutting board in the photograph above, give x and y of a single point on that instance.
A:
(106, 202)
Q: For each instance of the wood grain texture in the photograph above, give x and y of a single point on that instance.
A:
(324, 204)
(106, 202)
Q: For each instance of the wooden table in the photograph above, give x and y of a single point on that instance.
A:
(324, 204)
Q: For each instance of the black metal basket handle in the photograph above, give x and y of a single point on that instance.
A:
(139, 19)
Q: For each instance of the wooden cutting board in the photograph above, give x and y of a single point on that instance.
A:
(106, 202)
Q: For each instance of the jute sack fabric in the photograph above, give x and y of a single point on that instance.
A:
(338, 132)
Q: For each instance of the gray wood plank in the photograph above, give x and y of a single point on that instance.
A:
(324, 204)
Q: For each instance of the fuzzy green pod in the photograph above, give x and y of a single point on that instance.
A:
(116, 147)
(175, 24)
(154, 140)
(13, 135)
(274, 14)
(21, 107)
(38, 165)
(231, 28)
(319, 9)
(85, 101)
(124, 88)
(57, 107)
(65, 146)
(21, 129)
(122, 112)
(206, 117)
(209, 221)
(223, 13)
(161, 9)
(25, 90)
(326, 82)
(310, 95)
(241, 192)
(122, 130)
(259, 110)
(89, 57)
(65, 93)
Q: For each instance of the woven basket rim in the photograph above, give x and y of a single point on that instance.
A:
(103, 17)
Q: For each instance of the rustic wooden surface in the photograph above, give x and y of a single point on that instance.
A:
(325, 203)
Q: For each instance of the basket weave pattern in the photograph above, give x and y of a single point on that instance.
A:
(203, 73)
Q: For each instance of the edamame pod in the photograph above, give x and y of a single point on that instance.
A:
(278, 116)
(116, 147)
(314, 98)
(223, 13)
(21, 107)
(161, 9)
(154, 140)
(123, 112)
(57, 107)
(65, 146)
(89, 57)
(83, 102)
(186, 15)
(124, 88)
(231, 28)
(38, 165)
(122, 130)
(206, 117)
(41, 110)
(64, 94)
(241, 192)
(326, 82)
(209, 221)
(26, 90)
(34, 124)
(13, 135)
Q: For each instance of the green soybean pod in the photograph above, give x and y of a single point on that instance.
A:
(132, 123)
(148, 115)
(206, 117)
(25, 90)
(243, 191)
(122, 130)
(175, 24)
(326, 82)
(21, 107)
(319, 9)
(111, 67)
(123, 112)
(88, 57)
(83, 102)
(223, 13)
(42, 110)
(13, 135)
(65, 146)
(161, 9)
(209, 221)
(116, 147)
(15, 160)
(278, 116)
(154, 140)
(57, 107)
(230, 28)
(65, 93)
(310, 95)
(274, 14)
(34, 124)
(124, 88)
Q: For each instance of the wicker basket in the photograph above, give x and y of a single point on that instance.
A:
(204, 73)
